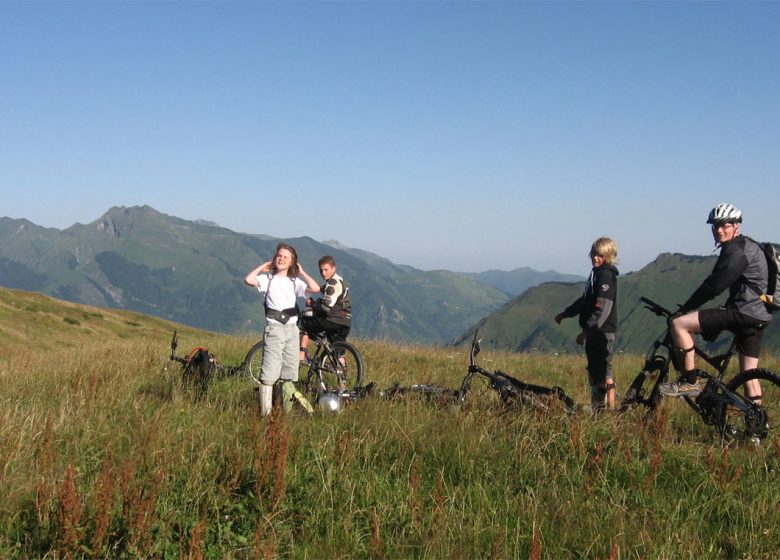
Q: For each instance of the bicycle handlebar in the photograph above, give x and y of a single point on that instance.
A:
(656, 308)
(474, 350)
(174, 345)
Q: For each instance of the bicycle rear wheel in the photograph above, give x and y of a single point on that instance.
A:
(757, 422)
(341, 369)
(254, 361)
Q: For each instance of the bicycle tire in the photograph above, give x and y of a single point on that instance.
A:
(635, 394)
(341, 368)
(758, 422)
(487, 396)
(654, 373)
(254, 361)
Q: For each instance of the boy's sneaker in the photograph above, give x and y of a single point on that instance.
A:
(681, 388)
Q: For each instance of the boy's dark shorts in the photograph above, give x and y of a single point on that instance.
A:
(598, 349)
(747, 330)
(334, 332)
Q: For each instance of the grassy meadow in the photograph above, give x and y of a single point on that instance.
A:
(104, 453)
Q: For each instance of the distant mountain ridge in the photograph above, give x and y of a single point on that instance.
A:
(192, 272)
(517, 281)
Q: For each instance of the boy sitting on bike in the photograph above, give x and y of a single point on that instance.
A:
(742, 268)
(331, 314)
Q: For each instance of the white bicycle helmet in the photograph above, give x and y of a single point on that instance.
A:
(725, 213)
(330, 402)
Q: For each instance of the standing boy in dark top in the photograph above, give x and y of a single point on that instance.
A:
(597, 311)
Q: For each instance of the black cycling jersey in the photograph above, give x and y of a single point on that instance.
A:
(741, 267)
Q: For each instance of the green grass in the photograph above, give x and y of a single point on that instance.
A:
(104, 453)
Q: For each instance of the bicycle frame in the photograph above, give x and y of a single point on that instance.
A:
(322, 348)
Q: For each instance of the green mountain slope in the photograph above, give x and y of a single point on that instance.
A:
(32, 322)
(192, 273)
(526, 322)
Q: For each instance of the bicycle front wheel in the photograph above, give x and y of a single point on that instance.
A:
(341, 368)
(483, 392)
(254, 361)
(753, 422)
(642, 391)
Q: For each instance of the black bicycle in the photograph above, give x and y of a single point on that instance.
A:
(723, 405)
(509, 390)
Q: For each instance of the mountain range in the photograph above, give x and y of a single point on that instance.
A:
(192, 272)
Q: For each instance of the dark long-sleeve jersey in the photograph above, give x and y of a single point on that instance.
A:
(597, 307)
(742, 269)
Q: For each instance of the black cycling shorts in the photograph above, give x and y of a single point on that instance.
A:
(316, 325)
(748, 331)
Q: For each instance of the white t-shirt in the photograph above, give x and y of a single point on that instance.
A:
(283, 292)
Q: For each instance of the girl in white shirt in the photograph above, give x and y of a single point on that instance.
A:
(282, 281)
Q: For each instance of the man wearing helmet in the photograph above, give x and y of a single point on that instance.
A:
(742, 269)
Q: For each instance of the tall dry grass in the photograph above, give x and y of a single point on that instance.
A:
(105, 453)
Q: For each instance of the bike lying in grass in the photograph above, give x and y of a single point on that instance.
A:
(509, 390)
(723, 405)
(199, 366)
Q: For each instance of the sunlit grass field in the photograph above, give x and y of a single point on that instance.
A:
(105, 453)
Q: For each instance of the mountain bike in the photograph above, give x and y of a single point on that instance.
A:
(333, 367)
(509, 390)
(723, 405)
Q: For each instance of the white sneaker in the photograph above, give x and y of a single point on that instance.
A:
(679, 388)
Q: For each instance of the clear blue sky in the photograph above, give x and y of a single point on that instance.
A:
(465, 136)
